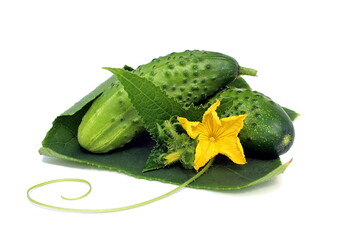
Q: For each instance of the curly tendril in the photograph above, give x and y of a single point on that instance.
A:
(105, 209)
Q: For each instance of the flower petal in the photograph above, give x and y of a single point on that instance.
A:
(205, 150)
(190, 127)
(232, 148)
(231, 126)
(211, 118)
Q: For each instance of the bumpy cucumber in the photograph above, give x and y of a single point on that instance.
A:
(189, 76)
(268, 131)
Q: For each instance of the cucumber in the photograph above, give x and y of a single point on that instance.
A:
(268, 131)
(189, 77)
(110, 122)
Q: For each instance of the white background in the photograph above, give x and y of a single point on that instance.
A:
(307, 57)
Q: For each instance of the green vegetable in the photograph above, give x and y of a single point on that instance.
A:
(268, 130)
(189, 77)
(192, 76)
(111, 121)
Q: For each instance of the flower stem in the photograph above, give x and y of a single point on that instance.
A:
(247, 71)
(196, 176)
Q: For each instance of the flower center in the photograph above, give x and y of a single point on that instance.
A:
(212, 139)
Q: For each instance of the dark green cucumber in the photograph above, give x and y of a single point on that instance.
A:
(268, 131)
(189, 77)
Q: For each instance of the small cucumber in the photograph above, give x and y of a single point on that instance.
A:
(189, 77)
(268, 131)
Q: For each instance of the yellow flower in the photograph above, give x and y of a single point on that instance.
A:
(216, 136)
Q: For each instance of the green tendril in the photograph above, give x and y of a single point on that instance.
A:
(106, 209)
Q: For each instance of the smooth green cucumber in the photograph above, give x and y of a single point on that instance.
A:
(268, 130)
(189, 77)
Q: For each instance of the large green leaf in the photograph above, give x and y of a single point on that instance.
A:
(61, 142)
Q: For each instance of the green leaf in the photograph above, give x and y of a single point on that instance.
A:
(61, 142)
(152, 162)
(195, 113)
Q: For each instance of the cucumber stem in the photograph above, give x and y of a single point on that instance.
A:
(247, 71)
